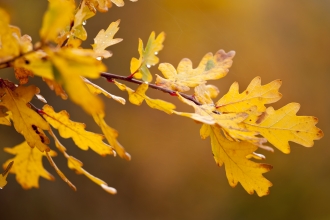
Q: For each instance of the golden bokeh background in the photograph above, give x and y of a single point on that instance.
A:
(172, 174)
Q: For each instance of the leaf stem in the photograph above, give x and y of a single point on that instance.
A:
(110, 77)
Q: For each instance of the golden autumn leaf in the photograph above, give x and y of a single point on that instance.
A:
(84, 12)
(234, 156)
(69, 65)
(36, 63)
(283, 125)
(100, 5)
(26, 121)
(76, 165)
(70, 129)
(111, 136)
(9, 46)
(95, 89)
(28, 165)
(57, 17)
(210, 68)
(208, 114)
(139, 67)
(254, 95)
(3, 176)
(138, 96)
(105, 39)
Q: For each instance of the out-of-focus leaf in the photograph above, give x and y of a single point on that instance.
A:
(57, 17)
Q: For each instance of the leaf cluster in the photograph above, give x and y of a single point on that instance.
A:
(238, 124)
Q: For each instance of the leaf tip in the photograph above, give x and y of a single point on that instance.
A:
(109, 189)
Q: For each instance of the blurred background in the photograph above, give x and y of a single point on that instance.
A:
(172, 174)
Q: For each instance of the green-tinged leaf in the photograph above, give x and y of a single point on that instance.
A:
(210, 68)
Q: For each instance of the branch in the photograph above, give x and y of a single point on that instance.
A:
(110, 77)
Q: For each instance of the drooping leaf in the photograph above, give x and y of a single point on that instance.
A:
(4, 175)
(76, 165)
(238, 168)
(57, 17)
(71, 64)
(139, 67)
(28, 165)
(210, 68)
(254, 95)
(26, 121)
(105, 39)
(111, 135)
(138, 96)
(70, 129)
(95, 89)
(9, 46)
(283, 125)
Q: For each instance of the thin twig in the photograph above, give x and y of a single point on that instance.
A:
(111, 76)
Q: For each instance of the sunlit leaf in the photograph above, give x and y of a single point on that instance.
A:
(26, 121)
(210, 68)
(28, 165)
(70, 129)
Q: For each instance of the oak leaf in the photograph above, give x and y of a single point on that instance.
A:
(70, 129)
(283, 125)
(139, 67)
(28, 165)
(234, 156)
(254, 95)
(105, 39)
(9, 46)
(26, 121)
(69, 65)
(210, 68)
(138, 96)
(57, 17)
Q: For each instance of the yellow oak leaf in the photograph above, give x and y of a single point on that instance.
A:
(57, 17)
(76, 164)
(283, 125)
(4, 175)
(37, 63)
(25, 41)
(70, 129)
(208, 114)
(69, 65)
(210, 68)
(111, 136)
(9, 46)
(26, 121)
(95, 89)
(238, 167)
(138, 96)
(100, 5)
(254, 95)
(105, 39)
(139, 67)
(28, 165)
(84, 12)
(5, 116)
